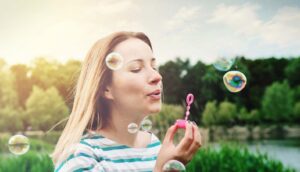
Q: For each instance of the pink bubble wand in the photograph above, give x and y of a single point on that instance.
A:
(189, 100)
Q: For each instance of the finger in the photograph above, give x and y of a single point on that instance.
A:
(170, 134)
(196, 142)
(197, 134)
(188, 138)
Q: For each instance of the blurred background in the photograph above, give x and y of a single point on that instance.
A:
(43, 44)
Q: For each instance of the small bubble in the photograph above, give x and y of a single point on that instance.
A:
(173, 166)
(133, 128)
(18, 144)
(223, 64)
(146, 124)
(114, 61)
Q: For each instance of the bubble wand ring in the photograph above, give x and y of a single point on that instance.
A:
(189, 100)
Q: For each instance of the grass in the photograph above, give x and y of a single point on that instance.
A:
(226, 158)
(234, 158)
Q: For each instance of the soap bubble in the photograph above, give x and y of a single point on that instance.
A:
(234, 81)
(174, 166)
(133, 128)
(146, 124)
(223, 64)
(114, 61)
(18, 144)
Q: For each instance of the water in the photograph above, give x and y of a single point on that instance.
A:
(287, 151)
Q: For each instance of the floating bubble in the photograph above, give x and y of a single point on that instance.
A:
(146, 124)
(114, 61)
(18, 144)
(174, 166)
(133, 128)
(223, 64)
(234, 81)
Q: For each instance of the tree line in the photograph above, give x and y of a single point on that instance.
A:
(39, 95)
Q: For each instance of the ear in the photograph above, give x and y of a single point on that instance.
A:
(108, 93)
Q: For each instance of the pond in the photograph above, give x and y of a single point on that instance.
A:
(286, 150)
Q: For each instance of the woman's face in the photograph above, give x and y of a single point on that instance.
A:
(136, 86)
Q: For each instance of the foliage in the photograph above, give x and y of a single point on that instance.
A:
(209, 114)
(29, 162)
(277, 102)
(233, 159)
(165, 118)
(45, 108)
(9, 109)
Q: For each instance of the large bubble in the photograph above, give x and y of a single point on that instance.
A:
(234, 81)
(18, 144)
(114, 61)
(174, 166)
(133, 128)
(223, 64)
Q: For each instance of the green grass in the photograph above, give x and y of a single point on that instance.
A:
(226, 158)
(233, 158)
(29, 162)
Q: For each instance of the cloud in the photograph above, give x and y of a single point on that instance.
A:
(283, 29)
(183, 18)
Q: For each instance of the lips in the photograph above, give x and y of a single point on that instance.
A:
(155, 95)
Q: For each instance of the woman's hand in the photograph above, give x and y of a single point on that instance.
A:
(184, 151)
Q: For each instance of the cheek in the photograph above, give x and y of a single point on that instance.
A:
(129, 87)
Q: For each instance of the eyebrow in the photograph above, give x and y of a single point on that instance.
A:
(141, 60)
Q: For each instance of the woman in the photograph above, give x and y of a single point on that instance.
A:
(95, 137)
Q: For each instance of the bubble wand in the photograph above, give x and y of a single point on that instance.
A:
(189, 100)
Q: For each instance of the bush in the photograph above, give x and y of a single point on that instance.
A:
(233, 159)
(29, 162)
(209, 113)
(277, 103)
(165, 118)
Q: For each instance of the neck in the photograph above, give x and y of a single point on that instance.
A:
(117, 129)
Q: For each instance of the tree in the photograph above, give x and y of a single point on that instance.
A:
(209, 113)
(45, 108)
(226, 113)
(292, 72)
(22, 82)
(10, 113)
(172, 73)
(277, 102)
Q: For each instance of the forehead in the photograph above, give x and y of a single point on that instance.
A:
(133, 48)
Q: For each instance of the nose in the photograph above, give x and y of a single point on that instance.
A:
(155, 77)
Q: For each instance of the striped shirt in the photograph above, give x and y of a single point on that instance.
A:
(96, 153)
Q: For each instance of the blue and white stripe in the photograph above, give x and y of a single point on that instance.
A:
(97, 153)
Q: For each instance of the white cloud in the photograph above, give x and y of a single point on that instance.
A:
(183, 18)
(282, 30)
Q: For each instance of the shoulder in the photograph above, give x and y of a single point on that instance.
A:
(80, 156)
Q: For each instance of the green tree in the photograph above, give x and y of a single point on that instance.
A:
(22, 82)
(227, 113)
(277, 102)
(292, 72)
(10, 113)
(172, 73)
(296, 111)
(209, 113)
(165, 118)
(45, 108)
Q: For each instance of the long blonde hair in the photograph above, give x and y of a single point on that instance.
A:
(90, 110)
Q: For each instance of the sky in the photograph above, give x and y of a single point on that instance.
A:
(196, 29)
